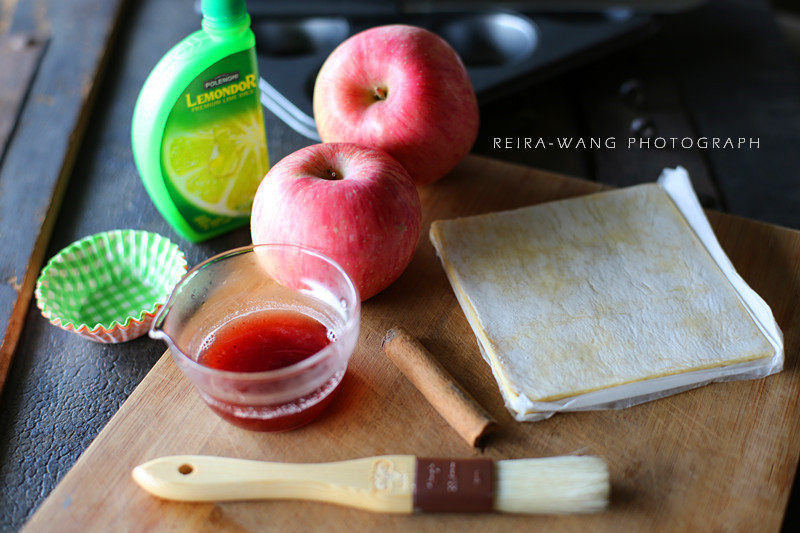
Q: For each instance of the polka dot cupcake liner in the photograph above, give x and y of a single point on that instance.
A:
(108, 287)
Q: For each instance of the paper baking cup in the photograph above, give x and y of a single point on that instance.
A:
(108, 287)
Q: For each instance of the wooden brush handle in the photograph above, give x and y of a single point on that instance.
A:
(383, 484)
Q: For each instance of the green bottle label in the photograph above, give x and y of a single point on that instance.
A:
(214, 151)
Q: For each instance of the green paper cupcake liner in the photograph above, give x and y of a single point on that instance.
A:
(108, 287)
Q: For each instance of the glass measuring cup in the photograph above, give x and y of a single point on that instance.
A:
(255, 279)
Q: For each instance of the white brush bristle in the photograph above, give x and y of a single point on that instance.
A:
(569, 484)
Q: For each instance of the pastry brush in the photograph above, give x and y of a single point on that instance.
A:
(390, 483)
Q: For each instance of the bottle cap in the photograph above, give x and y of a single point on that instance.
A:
(222, 14)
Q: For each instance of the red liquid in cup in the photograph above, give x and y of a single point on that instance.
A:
(269, 340)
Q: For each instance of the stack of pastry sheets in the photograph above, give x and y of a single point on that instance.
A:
(606, 300)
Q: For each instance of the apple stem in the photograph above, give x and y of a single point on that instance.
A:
(333, 175)
(380, 93)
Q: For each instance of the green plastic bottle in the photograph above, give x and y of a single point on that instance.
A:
(198, 128)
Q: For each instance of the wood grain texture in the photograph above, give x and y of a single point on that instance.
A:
(717, 458)
(40, 155)
(19, 55)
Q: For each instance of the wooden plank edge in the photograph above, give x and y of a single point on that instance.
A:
(25, 289)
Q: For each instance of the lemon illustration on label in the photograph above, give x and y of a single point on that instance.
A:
(218, 167)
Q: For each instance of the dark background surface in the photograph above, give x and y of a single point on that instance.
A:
(720, 70)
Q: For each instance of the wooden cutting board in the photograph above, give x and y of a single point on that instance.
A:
(722, 457)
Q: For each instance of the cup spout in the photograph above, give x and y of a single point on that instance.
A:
(157, 327)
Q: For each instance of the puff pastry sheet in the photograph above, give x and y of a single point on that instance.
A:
(605, 300)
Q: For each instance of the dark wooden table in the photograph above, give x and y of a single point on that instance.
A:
(718, 71)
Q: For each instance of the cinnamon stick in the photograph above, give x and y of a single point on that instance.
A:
(456, 406)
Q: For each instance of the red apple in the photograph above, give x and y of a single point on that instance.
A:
(354, 204)
(404, 90)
